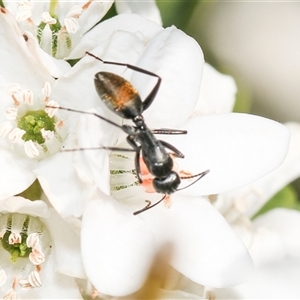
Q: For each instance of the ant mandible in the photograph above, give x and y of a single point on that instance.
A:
(122, 98)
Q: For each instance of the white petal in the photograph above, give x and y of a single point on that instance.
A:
(145, 30)
(54, 284)
(178, 59)
(21, 205)
(202, 245)
(66, 246)
(274, 281)
(265, 246)
(94, 163)
(117, 247)
(55, 67)
(256, 194)
(217, 93)
(46, 40)
(62, 186)
(285, 223)
(93, 12)
(16, 173)
(236, 148)
(18, 65)
(146, 9)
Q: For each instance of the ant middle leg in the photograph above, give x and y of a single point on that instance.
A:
(149, 99)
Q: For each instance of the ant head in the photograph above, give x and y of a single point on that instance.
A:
(167, 185)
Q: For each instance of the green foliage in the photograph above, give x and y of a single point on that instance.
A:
(243, 99)
(286, 198)
(34, 192)
(176, 13)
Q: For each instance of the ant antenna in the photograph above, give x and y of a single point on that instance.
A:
(148, 206)
(200, 175)
(87, 113)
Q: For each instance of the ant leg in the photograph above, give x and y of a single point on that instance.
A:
(168, 131)
(200, 175)
(172, 148)
(149, 99)
(99, 148)
(132, 142)
(138, 166)
(148, 206)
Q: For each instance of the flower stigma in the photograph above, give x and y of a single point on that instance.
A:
(33, 128)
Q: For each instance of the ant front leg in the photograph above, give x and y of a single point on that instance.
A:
(149, 99)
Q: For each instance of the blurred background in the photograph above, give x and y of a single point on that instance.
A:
(258, 43)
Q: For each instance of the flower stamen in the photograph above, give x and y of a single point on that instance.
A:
(32, 126)
(3, 277)
(33, 281)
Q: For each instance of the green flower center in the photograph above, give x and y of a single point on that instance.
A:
(33, 122)
(16, 250)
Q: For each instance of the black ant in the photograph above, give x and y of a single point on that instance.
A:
(122, 98)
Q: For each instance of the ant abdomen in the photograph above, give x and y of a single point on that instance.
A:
(118, 94)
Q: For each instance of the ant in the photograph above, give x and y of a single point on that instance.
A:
(122, 98)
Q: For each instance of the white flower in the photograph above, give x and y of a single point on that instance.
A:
(217, 93)
(118, 249)
(38, 250)
(272, 238)
(57, 26)
(52, 29)
(29, 148)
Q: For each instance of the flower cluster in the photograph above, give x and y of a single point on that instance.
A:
(78, 236)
